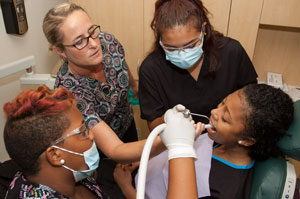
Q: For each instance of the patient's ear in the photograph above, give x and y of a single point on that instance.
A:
(247, 142)
(60, 52)
(54, 156)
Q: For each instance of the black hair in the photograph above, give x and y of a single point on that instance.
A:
(269, 113)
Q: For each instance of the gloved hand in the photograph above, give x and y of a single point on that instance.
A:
(176, 109)
(178, 135)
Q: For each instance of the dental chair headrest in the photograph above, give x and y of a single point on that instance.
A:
(290, 144)
(270, 175)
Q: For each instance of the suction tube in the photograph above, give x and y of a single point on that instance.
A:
(145, 157)
(144, 160)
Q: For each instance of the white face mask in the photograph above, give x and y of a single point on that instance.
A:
(185, 59)
(91, 158)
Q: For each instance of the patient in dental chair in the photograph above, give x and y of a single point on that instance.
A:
(247, 125)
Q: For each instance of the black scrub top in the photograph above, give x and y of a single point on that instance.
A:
(162, 85)
(229, 181)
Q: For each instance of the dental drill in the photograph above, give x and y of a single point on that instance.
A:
(146, 152)
(187, 113)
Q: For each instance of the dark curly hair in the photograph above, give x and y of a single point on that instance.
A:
(35, 118)
(269, 113)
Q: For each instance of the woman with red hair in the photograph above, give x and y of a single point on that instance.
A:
(46, 136)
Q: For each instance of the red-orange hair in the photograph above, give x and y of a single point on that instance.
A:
(39, 101)
(35, 118)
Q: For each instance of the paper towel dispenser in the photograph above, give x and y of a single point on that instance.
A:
(14, 16)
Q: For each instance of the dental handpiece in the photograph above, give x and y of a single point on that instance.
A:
(187, 113)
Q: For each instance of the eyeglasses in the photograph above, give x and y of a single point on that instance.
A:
(190, 45)
(82, 130)
(83, 42)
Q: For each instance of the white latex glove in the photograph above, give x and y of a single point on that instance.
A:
(178, 135)
(176, 109)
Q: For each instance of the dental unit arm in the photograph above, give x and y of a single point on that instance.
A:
(170, 132)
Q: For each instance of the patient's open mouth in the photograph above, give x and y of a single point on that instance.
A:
(212, 129)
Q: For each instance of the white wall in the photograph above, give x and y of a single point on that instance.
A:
(16, 47)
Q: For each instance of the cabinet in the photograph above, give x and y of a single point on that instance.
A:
(281, 13)
(219, 14)
(244, 22)
(269, 30)
(277, 48)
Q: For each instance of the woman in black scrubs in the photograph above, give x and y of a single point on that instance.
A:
(191, 63)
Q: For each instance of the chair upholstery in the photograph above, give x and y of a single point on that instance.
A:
(270, 175)
(290, 145)
(269, 179)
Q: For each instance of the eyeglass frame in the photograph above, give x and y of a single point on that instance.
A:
(73, 132)
(87, 39)
(190, 45)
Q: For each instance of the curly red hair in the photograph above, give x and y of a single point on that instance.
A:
(39, 101)
(35, 118)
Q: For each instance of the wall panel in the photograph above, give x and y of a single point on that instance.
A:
(124, 19)
(278, 50)
(281, 13)
(244, 22)
(219, 14)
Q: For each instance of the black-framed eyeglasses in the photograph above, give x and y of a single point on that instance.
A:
(83, 42)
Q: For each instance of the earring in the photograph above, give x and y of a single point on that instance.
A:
(240, 142)
(62, 161)
(205, 33)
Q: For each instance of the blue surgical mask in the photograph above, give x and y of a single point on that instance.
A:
(91, 158)
(186, 58)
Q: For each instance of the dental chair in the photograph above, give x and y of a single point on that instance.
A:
(275, 178)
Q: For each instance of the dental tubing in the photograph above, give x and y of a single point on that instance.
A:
(178, 136)
(145, 157)
(144, 161)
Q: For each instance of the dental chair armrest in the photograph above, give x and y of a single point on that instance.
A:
(269, 178)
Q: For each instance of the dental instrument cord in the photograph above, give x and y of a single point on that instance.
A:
(144, 160)
(145, 157)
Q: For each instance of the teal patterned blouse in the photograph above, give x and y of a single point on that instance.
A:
(107, 101)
